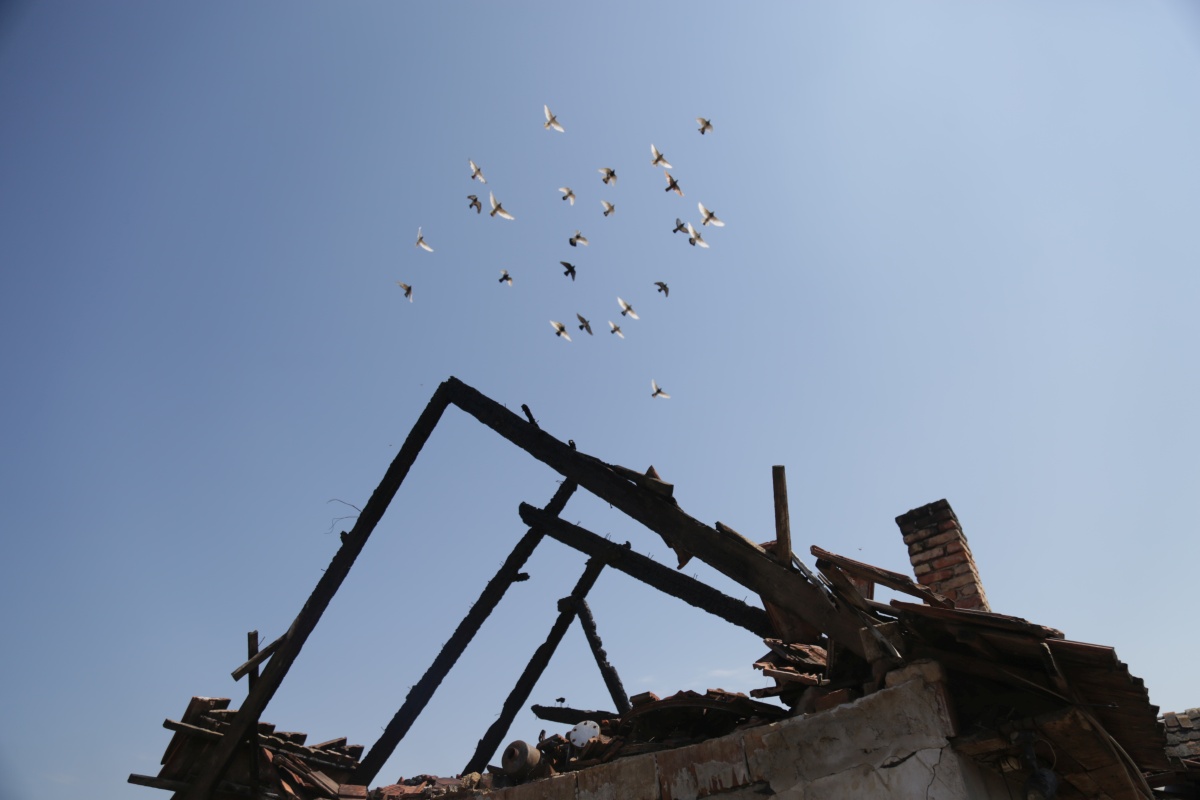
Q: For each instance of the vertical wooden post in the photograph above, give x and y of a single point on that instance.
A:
(783, 523)
(216, 760)
(537, 665)
(251, 652)
(421, 692)
(252, 736)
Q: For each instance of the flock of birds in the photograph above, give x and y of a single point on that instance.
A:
(609, 178)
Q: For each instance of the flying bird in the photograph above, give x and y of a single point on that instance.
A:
(705, 125)
(421, 243)
(570, 269)
(475, 204)
(627, 309)
(610, 174)
(578, 238)
(608, 207)
(694, 237)
(709, 217)
(568, 194)
(407, 290)
(615, 329)
(505, 277)
(476, 172)
(680, 227)
(497, 208)
(551, 120)
(658, 392)
(662, 287)
(659, 159)
(560, 330)
(584, 325)
(672, 185)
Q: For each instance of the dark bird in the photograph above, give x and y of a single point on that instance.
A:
(505, 277)
(475, 204)
(551, 120)
(497, 208)
(560, 700)
(610, 175)
(578, 238)
(679, 226)
(476, 172)
(584, 325)
(608, 207)
(615, 329)
(569, 271)
(672, 185)
(705, 125)
(407, 290)
(560, 330)
(709, 218)
(658, 392)
(662, 287)
(627, 309)
(659, 159)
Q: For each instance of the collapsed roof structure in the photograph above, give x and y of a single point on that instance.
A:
(1016, 703)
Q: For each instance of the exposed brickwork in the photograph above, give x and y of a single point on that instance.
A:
(940, 555)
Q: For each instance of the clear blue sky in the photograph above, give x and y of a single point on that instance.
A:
(960, 261)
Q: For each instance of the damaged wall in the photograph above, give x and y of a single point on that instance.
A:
(893, 743)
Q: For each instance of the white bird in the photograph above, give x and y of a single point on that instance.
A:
(705, 125)
(709, 217)
(560, 330)
(476, 172)
(551, 120)
(615, 329)
(608, 207)
(505, 277)
(673, 185)
(578, 238)
(568, 194)
(497, 208)
(407, 289)
(659, 159)
(475, 204)
(421, 243)
(658, 392)
(694, 237)
(662, 287)
(627, 309)
(610, 174)
(584, 325)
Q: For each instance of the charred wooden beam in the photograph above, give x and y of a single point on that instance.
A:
(783, 523)
(884, 577)
(255, 659)
(215, 761)
(569, 716)
(616, 690)
(420, 694)
(650, 572)
(749, 566)
(537, 665)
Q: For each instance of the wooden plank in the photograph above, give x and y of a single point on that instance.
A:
(250, 666)
(755, 570)
(209, 770)
(884, 577)
(783, 522)
(650, 572)
(984, 618)
(422, 691)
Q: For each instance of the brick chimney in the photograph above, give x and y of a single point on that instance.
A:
(940, 555)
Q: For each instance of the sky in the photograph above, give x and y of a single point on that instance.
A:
(959, 262)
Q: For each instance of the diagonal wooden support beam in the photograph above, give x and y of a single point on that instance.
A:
(421, 693)
(616, 689)
(650, 572)
(215, 761)
(750, 566)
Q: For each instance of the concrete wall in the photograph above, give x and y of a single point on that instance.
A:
(890, 744)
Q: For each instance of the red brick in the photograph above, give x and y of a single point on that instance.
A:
(960, 580)
(950, 525)
(954, 560)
